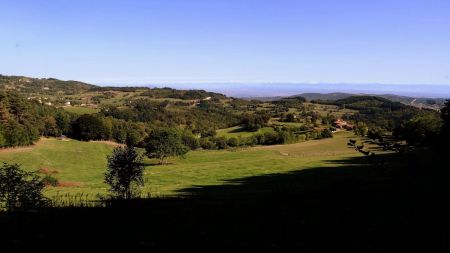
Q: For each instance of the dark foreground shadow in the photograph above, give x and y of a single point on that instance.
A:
(390, 202)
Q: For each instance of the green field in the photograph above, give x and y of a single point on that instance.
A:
(81, 165)
(81, 110)
(237, 131)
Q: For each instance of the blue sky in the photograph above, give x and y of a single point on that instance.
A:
(188, 41)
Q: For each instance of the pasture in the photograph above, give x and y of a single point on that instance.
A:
(81, 110)
(238, 131)
(80, 166)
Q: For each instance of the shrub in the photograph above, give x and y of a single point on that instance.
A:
(49, 180)
(190, 140)
(233, 142)
(221, 142)
(20, 190)
(206, 143)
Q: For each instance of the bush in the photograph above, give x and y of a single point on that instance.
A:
(190, 140)
(206, 143)
(221, 142)
(20, 190)
(49, 180)
(326, 133)
(233, 142)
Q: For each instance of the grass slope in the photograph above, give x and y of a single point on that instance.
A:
(237, 131)
(83, 163)
(81, 110)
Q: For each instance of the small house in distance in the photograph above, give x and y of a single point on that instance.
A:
(342, 124)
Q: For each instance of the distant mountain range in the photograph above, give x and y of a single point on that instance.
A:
(246, 90)
(430, 103)
(265, 91)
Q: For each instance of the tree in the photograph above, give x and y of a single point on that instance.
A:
(253, 122)
(91, 127)
(423, 130)
(163, 143)
(20, 190)
(124, 174)
(445, 116)
(233, 142)
(376, 133)
(327, 133)
(291, 117)
(221, 142)
(15, 134)
(50, 126)
(63, 121)
(361, 129)
(190, 140)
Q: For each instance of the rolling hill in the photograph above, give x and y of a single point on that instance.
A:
(420, 102)
(42, 86)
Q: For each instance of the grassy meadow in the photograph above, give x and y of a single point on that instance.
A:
(238, 131)
(81, 110)
(79, 166)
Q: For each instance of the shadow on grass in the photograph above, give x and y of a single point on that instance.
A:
(396, 202)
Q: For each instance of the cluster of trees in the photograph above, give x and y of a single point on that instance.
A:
(256, 121)
(48, 86)
(280, 135)
(181, 94)
(291, 102)
(426, 128)
(379, 112)
(422, 130)
(22, 121)
(202, 118)
(290, 117)
(98, 127)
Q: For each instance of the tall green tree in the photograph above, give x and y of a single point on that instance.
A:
(163, 143)
(91, 127)
(423, 130)
(125, 172)
(445, 116)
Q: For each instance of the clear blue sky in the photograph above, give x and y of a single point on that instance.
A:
(167, 41)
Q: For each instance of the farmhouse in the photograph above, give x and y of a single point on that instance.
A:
(342, 124)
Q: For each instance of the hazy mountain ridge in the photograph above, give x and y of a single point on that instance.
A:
(421, 102)
(51, 86)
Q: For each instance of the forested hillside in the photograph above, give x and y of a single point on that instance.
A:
(33, 107)
(24, 121)
(43, 86)
(380, 113)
